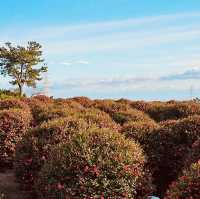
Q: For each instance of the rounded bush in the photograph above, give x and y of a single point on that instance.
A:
(110, 106)
(161, 111)
(13, 103)
(43, 98)
(186, 109)
(53, 112)
(193, 155)
(37, 107)
(173, 110)
(84, 101)
(93, 164)
(168, 147)
(135, 115)
(14, 123)
(98, 118)
(140, 105)
(69, 103)
(187, 186)
(35, 147)
(124, 101)
(139, 131)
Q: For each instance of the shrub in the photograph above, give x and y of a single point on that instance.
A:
(53, 112)
(98, 118)
(193, 155)
(140, 105)
(14, 123)
(37, 107)
(168, 147)
(120, 112)
(160, 111)
(135, 115)
(172, 110)
(187, 186)
(186, 109)
(93, 164)
(124, 101)
(84, 101)
(43, 98)
(7, 94)
(167, 123)
(110, 106)
(139, 130)
(35, 147)
(69, 103)
(13, 103)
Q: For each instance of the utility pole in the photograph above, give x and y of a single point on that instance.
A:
(46, 84)
(191, 92)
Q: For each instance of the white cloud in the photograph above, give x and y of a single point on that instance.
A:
(84, 62)
(75, 62)
(67, 63)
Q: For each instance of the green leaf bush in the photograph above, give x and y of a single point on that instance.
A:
(97, 163)
(14, 124)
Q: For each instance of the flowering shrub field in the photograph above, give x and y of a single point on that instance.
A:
(101, 149)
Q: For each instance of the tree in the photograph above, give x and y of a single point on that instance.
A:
(18, 63)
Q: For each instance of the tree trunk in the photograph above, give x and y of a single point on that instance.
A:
(20, 90)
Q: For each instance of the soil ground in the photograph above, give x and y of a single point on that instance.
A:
(9, 187)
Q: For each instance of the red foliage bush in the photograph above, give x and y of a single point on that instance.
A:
(121, 117)
(36, 108)
(161, 111)
(140, 105)
(167, 123)
(13, 103)
(35, 147)
(98, 118)
(110, 106)
(168, 147)
(193, 155)
(187, 186)
(52, 112)
(69, 103)
(124, 101)
(139, 131)
(14, 123)
(120, 112)
(84, 101)
(43, 98)
(94, 164)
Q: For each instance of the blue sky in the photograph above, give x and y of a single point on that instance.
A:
(111, 49)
